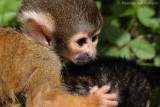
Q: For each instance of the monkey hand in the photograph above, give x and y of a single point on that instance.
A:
(105, 100)
(95, 98)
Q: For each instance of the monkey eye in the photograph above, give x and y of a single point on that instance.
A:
(81, 42)
(94, 38)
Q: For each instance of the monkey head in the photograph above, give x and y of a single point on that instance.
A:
(69, 27)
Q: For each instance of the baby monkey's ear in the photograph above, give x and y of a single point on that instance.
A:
(38, 27)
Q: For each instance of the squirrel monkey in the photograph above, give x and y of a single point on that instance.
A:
(126, 78)
(30, 62)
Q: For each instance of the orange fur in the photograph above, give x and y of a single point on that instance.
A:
(35, 69)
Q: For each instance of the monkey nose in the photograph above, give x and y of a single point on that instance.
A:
(89, 54)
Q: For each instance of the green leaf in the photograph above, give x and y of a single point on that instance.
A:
(141, 1)
(145, 14)
(128, 12)
(125, 52)
(8, 10)
(9, 5)
(157, 61)
(114, 51)
(117, 36)
(142, 49)
(117, 8)
(115, 22)
(99, 4)
(8, 17)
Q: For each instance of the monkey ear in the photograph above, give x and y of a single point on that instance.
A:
(39, 28)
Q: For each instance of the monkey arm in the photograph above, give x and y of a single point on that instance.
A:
(47, 93)
(66, 100)
(50, 99)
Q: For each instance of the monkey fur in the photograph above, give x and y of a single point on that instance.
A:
(22, 63)
(34, 69)
(31, 62)
(126, 78)
(64, 18)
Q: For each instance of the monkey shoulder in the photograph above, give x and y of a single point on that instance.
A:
(18, 49)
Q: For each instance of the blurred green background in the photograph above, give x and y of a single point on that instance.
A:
(131, 30)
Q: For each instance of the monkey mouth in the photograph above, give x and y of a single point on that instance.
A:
(84, 61)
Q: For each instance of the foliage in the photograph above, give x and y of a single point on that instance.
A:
(131, 29)
(8, 14)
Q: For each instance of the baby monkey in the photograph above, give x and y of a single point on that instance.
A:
(30, 62)
(125, 78)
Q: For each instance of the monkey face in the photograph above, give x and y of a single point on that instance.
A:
(69, 27)
(83, 47)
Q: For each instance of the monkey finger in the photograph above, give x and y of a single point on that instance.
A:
(104, 89)
(107, 106)
(93, 90)
(110, 103)
(110, 96)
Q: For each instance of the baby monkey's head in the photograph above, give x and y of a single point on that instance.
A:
(70, 27)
